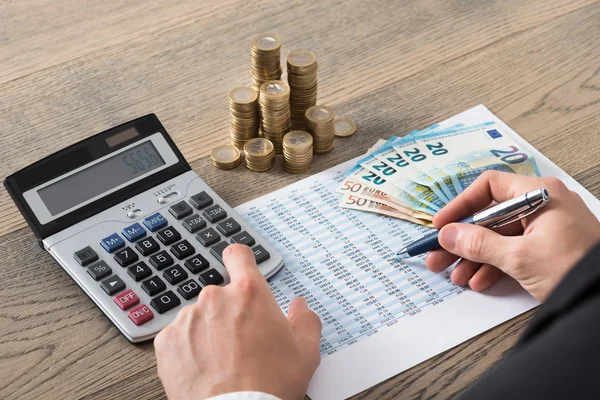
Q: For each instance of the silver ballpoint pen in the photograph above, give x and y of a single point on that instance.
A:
(494, 217)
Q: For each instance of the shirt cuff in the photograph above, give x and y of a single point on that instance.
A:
(244, 396)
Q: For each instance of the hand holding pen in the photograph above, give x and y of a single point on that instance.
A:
(537, 251)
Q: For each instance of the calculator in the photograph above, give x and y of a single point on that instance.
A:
(123, 213)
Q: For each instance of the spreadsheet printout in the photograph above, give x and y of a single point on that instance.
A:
(380, 315)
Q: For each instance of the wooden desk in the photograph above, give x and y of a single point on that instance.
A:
(71, 68)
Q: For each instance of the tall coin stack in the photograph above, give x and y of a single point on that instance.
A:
(265, 58)
(302, 77)
(243, 107)
(319, 123)
(260, 154)
(297, 151)
(274, 102)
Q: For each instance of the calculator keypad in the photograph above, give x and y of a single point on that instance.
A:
(243, 238)
(141, 314)
(182, 249)
(180, 210)
(112, 285)
(194, 223)
(153, 286)
(139, 271)
(147, 246)
(165, 302)
(214, 213)
(211, 277)
(197, 264)
(100, 270)
(86, 256)
(201, 200)
(208, 237)
(155, 222)
(229, 227)
(126, 257)
(161, 260)
(112, 243)
(190, 289)
(134, 232)
(175, 274)
(168, 235)
(127, 299)
(217, 250)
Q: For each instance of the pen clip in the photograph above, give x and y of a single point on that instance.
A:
(517, 216)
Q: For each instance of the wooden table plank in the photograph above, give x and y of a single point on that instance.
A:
(391, 68)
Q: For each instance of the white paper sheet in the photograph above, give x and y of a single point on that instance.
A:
(380, 316)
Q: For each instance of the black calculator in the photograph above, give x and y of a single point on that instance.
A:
(126, 217)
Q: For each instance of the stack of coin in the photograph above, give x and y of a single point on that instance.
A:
(302, 77)
(243, 106)
(260, 154)
(266, 63)
(226, 157)
(297, 151)
(274, 102)
(319, 123)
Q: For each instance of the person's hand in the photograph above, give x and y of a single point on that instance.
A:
(235, 338)
(537, 252)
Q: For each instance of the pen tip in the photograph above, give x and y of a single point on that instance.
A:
(403, 253)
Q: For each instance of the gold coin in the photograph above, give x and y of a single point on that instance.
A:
(301, 61)
(319, 114)
(242, 95)
(298, 139)
(267, 42)
(226, 157)
(275, 88)
(344, 127)
(258, 147)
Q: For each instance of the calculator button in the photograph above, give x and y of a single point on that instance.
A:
(165, 302)
(155, 222)
(112, 242)
(214, 213)
(147, 246)
(153, 286)
(126, 257)
(141, 314)
(175, 274)
(211, 277)
(201, 200)
(85, 256)
(229, 227)
(182, 249)
(134, 232)
(161, 260)
(168, 235)
(208, 237)
(180, 210)
(260, 254)
(189, 290)
(194, 223)
(127, 299)
(243, 238)
(197, 264)
(99, 270)
(217, 251)
(139, 271)
(112, 285)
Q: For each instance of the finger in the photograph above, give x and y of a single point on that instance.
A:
(463, 272)
(485, 277)
(439, 260)
(241, 263)
(490, 186)
(307, 326)
(476, 243)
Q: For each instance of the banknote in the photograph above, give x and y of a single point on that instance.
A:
(358, 203)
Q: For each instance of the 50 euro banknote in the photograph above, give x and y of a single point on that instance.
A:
(359, 203)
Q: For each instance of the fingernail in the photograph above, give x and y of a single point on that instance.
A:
(302, 301)
(448, 236)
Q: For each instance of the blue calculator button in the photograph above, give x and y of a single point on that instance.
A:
(112, 242)
(155, 222)
(134, 232)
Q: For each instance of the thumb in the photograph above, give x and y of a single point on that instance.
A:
(240, 262)
(475, 243)
(306, 324)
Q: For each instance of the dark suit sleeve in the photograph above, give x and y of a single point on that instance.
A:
(558, 356)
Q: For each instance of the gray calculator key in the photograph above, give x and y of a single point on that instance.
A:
(194, 223)
(243, 238)
(217, 250)
(208, 237)
(214, 213)
(260, 254)
(229, 227)
(99, 270)
(112, 285)
(201, 200)
(180, 210)
(86, 256)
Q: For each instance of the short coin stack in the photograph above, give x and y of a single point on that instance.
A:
(243, 107)
(226, 157)
(274, 102)
(297, 151)
(302, 77)
(266, 62)
(319, 123)
(260, 154)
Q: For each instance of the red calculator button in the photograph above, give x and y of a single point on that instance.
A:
(127, 299)
(141, 314)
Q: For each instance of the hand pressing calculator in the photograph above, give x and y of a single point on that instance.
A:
(124, 214)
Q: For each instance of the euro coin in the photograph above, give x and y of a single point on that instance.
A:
(344, 127)
(260, 154)
(302, 78)
(245, 121)
(226, 157)
(274, 100)
(297, 151)
(319, 123)
(265, 59)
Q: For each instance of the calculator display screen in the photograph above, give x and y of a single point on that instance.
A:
(101, 177)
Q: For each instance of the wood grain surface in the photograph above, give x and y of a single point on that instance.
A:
(71, 68)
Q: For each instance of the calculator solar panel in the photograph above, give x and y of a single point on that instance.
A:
(139, 231)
